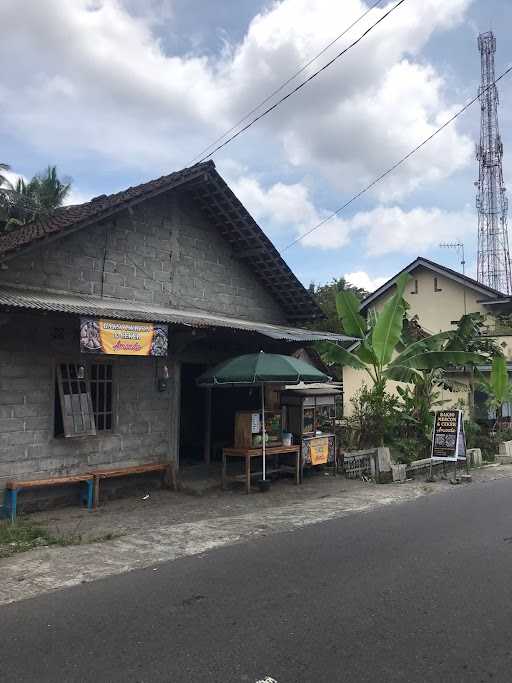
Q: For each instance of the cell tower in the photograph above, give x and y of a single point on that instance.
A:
(493, 262)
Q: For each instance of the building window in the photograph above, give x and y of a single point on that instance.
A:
(84, 399)
(436, 286)
(73, 406)
(415, 290)
(102, 395)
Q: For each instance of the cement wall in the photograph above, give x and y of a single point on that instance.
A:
(28, 447)
(164, 252)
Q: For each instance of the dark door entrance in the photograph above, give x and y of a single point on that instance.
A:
(192, 415)
(193, 421)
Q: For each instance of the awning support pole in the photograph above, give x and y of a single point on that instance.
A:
(263, 433)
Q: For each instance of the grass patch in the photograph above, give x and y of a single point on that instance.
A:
(22, 536)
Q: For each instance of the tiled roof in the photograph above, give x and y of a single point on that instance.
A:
(208, 190)
(72, 216)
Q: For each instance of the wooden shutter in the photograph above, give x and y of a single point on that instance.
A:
(75, 401)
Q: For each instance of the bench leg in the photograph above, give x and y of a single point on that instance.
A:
(90, 494)
(96, 495)
(12, 504)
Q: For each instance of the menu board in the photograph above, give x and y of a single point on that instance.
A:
(448, 442)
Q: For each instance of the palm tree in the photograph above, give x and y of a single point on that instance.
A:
(49, 192)
(24, 202)
(3, 180)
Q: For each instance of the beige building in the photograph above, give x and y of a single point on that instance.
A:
(439, 297)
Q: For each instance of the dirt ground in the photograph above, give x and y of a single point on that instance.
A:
(149, 529)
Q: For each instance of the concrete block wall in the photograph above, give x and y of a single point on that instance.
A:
(28, 447)
(163, 252)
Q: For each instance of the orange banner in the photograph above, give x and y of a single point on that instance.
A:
(122, 338)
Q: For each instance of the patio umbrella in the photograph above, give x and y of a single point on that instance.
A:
(261, 368)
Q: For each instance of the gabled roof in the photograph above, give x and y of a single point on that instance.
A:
(207, 189)
(483, 290)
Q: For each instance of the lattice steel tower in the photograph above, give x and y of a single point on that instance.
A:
(493, 263)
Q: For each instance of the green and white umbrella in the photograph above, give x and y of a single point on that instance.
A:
(261, 368)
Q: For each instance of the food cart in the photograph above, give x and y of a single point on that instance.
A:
(309, 414)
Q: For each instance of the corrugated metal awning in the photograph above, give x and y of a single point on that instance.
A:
(81, 304)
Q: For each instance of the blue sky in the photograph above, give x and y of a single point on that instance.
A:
(116, 92)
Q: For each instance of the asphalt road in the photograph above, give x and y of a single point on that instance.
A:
(419, 591)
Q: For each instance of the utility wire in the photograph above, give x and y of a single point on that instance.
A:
(301, 85)
(287, 82)
(397, 164)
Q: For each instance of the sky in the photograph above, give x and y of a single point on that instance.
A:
(116, 92)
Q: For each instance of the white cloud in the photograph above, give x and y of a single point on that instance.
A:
(283, 206)
(361, 279)
(91, 78)
(383, 230)
(394, 230)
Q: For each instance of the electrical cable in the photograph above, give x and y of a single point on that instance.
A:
(301, 85)
(287, 82)
(397, 164)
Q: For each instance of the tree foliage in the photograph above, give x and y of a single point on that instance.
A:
(24, 201)
(325, 296)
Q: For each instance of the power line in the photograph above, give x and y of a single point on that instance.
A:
(396, 165)
(301, 85)
(287, 82)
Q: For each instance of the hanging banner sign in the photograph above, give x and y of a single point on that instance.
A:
(448, 441)
(122, 338)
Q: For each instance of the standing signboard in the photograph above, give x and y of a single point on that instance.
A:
(448, 440)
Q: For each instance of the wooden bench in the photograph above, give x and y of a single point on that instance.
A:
(13, 487)
(165, 468)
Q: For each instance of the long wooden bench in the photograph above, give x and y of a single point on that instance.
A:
(165, 468)
(13, 487)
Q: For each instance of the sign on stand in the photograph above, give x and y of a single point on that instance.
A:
(448, 442)
(448, 439)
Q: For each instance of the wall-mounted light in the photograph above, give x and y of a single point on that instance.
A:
(163, 377)
(81, 371)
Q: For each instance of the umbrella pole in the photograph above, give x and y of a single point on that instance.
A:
(263, 434)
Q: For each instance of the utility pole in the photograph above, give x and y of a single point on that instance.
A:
(493, 261)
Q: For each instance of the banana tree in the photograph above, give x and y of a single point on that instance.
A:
(497, 387)
(382, 352)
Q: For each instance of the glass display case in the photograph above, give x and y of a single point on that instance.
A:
(309, 414)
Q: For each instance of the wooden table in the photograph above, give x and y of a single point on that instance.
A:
(248, 453)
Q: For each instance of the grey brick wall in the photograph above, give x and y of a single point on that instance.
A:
(28, 354)
(163, 252)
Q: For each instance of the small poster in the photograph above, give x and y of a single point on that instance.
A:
(124, 338)
(319, 450)
(255, 423)
(448, 442)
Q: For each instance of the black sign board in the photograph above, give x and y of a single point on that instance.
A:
(448, 442)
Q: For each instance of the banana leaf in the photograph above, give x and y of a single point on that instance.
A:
(336, 354)
(347, 305)
(430, 360)
(388, 326)
(499, 379)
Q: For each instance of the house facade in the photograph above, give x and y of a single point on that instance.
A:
(438, 296)
(180, 253)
